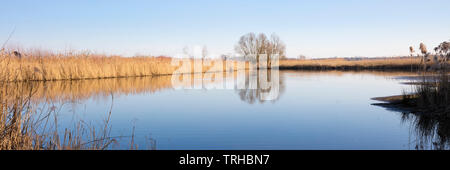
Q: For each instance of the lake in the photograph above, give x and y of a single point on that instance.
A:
(309, 110)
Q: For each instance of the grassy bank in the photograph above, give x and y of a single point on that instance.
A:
(431, 98)
(347, 64)
(26, 125)
(427, 108)
(87, 66)
(80, 66)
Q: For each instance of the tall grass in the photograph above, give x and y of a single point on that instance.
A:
(23, 126)
(398, 63)
(430, 116)
(435, 96)
(47, 66)
(37, 66)
(79, 66)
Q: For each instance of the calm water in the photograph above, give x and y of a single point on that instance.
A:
(313, 110)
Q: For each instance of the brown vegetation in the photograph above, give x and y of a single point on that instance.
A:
(87, 66)
(432, 98)
(78, 66)
(403, 63)
(50, 67)
(23, 126)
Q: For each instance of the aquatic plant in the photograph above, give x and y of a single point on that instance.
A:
(47, 66)
(23, 126)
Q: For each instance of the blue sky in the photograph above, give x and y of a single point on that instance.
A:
(320, 28)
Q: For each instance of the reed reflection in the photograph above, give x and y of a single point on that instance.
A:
(64, 91)
(252, 86)
(248, 85)
(429, 131)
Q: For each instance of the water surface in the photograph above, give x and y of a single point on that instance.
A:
(313, 110)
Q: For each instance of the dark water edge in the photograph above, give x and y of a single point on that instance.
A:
(427, 108)
(430, 125)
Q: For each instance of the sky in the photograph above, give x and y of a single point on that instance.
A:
(316, 29)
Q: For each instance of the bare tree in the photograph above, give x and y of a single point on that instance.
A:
(277, 46)
(301, 57)
(252, 46)
(247, 45)
(204, 52)
(186, 51)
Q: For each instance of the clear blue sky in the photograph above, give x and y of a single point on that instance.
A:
(314, 28)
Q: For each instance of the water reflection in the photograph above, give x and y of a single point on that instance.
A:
(77, 91)
(203, 119)
(430, 131)
(254, 91)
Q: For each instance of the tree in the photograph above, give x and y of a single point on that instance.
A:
(252, 46)
(301, 57)
(204, 52)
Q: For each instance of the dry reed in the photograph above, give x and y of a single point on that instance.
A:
(341, 63)
(23, 126)
(50, 67)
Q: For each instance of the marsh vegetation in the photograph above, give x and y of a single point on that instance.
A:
(30, 120)
(200, 119)
(35, 84)
(427, 106)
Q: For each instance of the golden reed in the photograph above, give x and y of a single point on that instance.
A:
(87, 66)
(80, 66)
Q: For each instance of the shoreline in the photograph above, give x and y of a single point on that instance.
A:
(350, 68)
(354, 69)
(86, 67)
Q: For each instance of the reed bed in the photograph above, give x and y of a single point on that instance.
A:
(24, 126)
(78, 67)
(431, 97)
(430, 113)
(50, 67)
(398, 63)
(81, 66)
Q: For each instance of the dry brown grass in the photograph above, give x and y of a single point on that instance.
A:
(24, 126)
(341, 63)
(79, 66)
(82, 66)
(339, 73)
(434, 96)
(76, 67)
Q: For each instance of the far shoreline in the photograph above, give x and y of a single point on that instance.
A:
(81, 66)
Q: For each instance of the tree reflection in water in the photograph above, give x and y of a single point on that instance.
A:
(254, 90)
